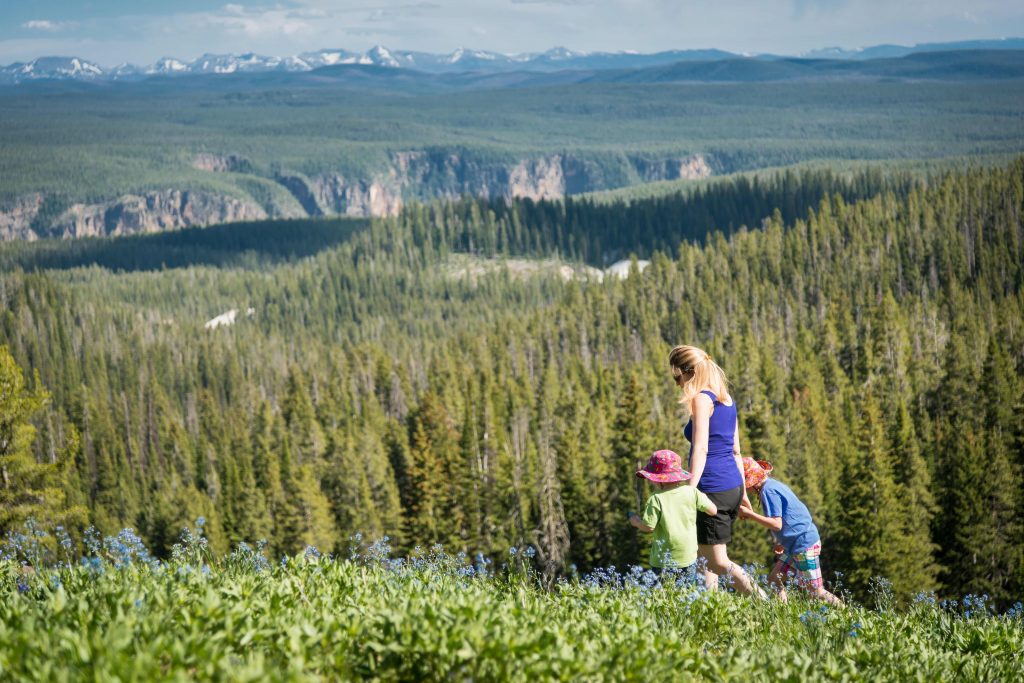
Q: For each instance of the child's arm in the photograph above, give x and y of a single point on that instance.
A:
(738, 457)
(636, 521)
(773, 523)
(705, 505)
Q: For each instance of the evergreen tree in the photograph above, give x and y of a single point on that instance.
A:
(632, 445)
(869, 540)
(917, 570)
(28, 489)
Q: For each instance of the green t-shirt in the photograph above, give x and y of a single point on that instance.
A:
(673, 516)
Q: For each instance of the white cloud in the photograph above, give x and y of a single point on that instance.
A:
(253, 23)
(42, 25)
(285, 27)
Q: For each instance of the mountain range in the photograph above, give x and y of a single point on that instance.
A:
(457, 62)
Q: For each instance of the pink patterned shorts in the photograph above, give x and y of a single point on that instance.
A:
(804, 565)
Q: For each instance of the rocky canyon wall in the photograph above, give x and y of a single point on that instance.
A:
(420, 175)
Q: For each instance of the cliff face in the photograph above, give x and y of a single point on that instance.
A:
(423, 175)
(413, 175)
(16, 222)
(129, 214)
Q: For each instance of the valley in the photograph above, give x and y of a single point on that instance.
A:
(123, 158)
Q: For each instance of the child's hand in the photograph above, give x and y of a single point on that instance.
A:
(630, 515)
(744, 513)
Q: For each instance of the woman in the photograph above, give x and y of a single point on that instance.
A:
(715, 461)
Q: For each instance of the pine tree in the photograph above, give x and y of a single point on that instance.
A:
(917, 568)
(868, 543)
(632, 444)
(28, 489)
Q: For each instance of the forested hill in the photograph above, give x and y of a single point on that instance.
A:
(597, 232)
(876, 346)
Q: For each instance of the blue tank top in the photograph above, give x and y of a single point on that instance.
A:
(720, 471)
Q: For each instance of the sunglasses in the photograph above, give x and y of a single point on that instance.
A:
(683, 372)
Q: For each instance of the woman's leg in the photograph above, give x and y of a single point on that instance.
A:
(704, 568)
(719, 563)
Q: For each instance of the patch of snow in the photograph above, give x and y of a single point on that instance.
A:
(226, 318)
(620, 269)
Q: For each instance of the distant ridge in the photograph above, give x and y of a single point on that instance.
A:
(888, 51)
(460, 61)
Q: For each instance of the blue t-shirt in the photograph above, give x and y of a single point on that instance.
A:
(798, 531)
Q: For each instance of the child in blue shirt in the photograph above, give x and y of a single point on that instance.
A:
(798, 544)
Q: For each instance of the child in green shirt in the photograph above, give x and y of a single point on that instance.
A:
(671, 513)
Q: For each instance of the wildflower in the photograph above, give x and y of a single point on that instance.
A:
(22, 586)
(201, 522)
(530, 552)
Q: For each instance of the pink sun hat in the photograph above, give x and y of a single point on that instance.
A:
(664, 467)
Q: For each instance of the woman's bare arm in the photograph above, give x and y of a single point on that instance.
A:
(700, 411)
(736, 454)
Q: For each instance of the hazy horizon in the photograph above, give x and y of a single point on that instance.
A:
(115, 31)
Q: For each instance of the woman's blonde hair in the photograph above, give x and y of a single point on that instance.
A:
(695, 371)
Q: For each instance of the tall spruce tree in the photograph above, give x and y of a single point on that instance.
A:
(632, 444)
(28, 489)
(869, 539)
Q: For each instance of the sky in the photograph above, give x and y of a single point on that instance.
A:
(141, 31)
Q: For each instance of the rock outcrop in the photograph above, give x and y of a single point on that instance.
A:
(17, 220)
(688, 168)
(222, 163)
(127, 215)
(337, 195)
(419, 175)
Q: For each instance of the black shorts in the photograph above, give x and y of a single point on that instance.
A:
(717, 529)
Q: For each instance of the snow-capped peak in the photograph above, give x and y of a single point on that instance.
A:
(167, 65)
(463, 54)
(562, 53)
(381, 56)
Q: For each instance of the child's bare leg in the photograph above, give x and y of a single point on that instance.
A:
(777, 579)
(719, 563)
(821, 594)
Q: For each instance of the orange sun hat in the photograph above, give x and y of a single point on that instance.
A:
(755, 472)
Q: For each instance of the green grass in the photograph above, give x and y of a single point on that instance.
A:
(434, 617)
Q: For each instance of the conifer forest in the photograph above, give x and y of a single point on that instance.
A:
(466, 374)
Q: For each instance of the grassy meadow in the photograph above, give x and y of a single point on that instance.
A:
(118, 614)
